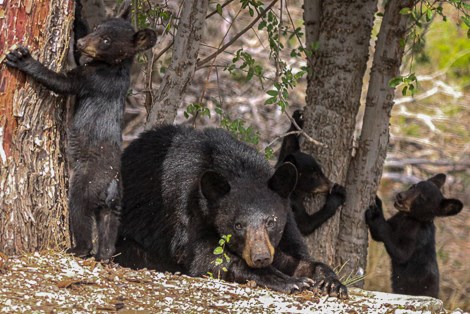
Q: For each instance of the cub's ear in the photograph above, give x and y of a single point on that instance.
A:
(213, 186)
(449, 207)
(292, 159)
(438, 180)
(145, 39)
(284, 180)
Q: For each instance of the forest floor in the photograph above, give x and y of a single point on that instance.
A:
(51, 282)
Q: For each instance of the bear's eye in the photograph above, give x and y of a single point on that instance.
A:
(238, 226)
(106, 41)
(270, 223)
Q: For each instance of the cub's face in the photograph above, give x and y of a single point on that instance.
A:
(311, 179)
(424, 200)
(115, 40)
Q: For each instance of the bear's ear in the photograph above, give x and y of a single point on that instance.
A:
(438, 180)
(145, 39)
(284, 180)
(292, 159)
(125, 10)
(449, 207)
(213, 186)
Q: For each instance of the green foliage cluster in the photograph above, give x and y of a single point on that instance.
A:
(221, 260)
(235, 126)
(422, 17)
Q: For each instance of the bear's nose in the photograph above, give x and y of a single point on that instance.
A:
(261, 259)
(80, 43)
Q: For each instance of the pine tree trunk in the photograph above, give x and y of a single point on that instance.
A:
(33, 177)
(333, 99)
(365, 169)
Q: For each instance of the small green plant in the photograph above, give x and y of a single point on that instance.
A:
(409, 83)
(221, 260)
(197, 109)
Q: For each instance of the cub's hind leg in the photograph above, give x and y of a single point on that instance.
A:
(81, 222)
(107, 219)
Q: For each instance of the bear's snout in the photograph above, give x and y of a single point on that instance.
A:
(258, 251)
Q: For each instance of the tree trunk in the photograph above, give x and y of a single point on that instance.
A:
(365, 169)
(183, 63)
(33, 178)
(333, 99)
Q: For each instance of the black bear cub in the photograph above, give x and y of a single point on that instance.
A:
(185, 188)
(409, 236)
(311, 180)
(94, 136)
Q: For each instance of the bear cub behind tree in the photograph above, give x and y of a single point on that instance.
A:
(94, 136)
(311, 180)
(185, 188)
(409, 236)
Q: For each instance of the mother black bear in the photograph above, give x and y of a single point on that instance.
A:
(185, 188)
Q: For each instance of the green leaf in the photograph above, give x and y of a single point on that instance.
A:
(224, 269)
(219, 9)
(394, 82)
(272, 92)
(268, 153)
(404, 90)
(405, 11)
(270, 101)
(262, 25)
(221, 242)
(218, 261)
(218, 250)
(466, 20)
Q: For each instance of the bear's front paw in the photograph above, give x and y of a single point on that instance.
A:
(18, 58)
(339, 193)
(331, 287)
(374, 211)
(285, 283)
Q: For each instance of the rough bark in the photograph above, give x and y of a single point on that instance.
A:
(32, 157)
(312, 15)
(365, 169)
(183, 63)
(333, 99)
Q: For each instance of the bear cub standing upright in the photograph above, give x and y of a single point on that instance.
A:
(184, 189)
(409, 236)
(94, 148)
(311, 180)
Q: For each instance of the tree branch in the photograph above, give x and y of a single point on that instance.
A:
(219, 51)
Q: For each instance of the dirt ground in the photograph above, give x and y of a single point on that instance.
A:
(53, 282)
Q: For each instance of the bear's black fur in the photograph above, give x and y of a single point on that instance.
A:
(409, 236)
(185, 188)
(311, 180)
(94, 146)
